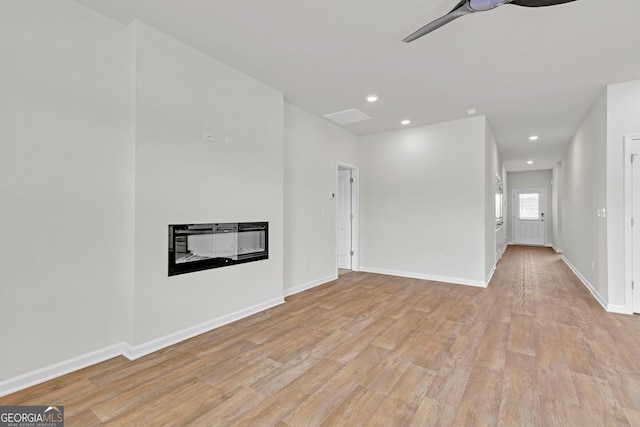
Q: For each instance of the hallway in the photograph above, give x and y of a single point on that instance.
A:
(534, 349)
(569, 361)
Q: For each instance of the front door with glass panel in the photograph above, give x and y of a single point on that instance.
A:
(529, 216)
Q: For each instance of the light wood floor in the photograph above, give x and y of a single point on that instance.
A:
(534, 349)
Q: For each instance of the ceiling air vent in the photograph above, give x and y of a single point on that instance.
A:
(347, 116)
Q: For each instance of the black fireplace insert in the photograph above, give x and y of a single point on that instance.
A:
(195, 247)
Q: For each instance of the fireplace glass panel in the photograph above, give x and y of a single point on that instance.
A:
(194, 247)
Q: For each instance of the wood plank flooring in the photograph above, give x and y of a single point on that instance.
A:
(534, 349)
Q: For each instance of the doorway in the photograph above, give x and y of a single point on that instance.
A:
(632, 218)
(529, 207)
(347, 218)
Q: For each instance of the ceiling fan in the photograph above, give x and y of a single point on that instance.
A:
(465, 7)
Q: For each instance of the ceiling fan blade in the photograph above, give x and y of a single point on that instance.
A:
(538, 3)
(461, 9)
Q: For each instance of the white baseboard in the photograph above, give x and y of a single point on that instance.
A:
(62, 368)
(619, 309)
(135, 352)
(611, 308)
(493, 270)
(585, 282)
(557, 250)
(453, 280)
(306, 286)
(47, 373)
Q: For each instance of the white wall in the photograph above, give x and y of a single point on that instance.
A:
(64, 172)
(531, 179)
(493, 170)
(101, 149)
(422, 197)
(557, 194)
(313, 146)
(593, 177)
(623, 117)
(181, 178)
(584, 168)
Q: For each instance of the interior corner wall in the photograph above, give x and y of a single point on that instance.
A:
(584, 177)
(64, 171)
(182, 179)
(423, 202)
(531, 179)
(493, 170)
(313, 147)
(623, 117)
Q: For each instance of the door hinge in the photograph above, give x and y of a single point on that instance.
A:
(351, 180)
(632, 286)
(351, 253)
(352, 216)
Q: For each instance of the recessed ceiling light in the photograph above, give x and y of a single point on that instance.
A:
(405, 122)
(529, 162)
(471, 111)
(533, 138)
(372, 98)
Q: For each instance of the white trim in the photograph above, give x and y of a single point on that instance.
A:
(585, 282)
(124, 349)
(47, 373)
(557, 250)
(135, 352)
(307, 286)
(628, 213)
(452, 280)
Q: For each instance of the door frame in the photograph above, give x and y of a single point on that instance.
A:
(355, 210)
(628, 214)
(515, 191)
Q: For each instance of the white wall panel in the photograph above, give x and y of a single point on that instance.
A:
(423, 200)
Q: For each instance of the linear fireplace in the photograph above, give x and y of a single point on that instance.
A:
(194, 247)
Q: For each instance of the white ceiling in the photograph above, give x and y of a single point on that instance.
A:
(529, 70)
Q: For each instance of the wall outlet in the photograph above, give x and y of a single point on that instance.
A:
(443, 257)
(593, 266)
(209, 136)
(231, 142)
(304, 263)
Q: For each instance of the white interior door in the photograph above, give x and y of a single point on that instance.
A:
(344, 217)
(635, 230)
(529, 207)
